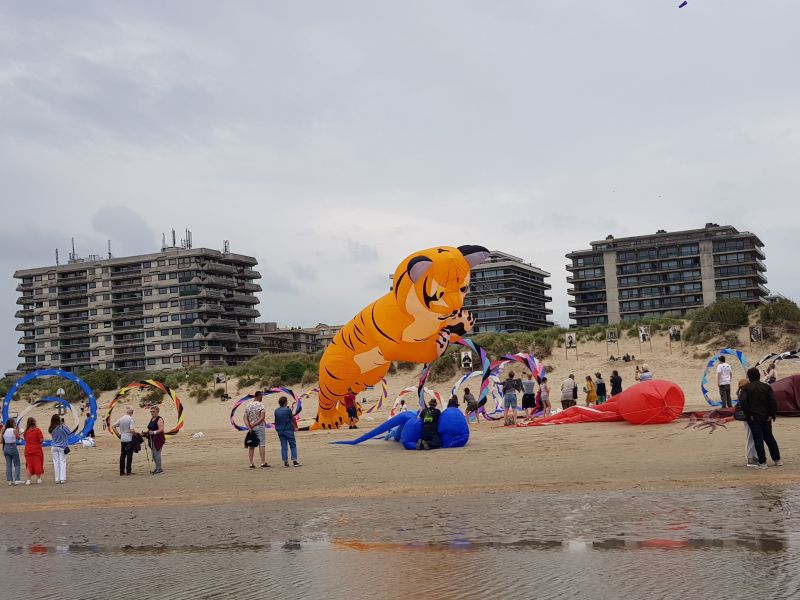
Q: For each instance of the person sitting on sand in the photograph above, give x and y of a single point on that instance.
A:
(626, 358)
(590, 391)
(430, 427)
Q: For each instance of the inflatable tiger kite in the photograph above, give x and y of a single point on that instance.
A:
(412, 323)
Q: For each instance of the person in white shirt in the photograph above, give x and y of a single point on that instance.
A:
(724, 382)
(125, 428)
(568, 388)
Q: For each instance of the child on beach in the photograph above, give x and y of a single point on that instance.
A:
(34, 455)
(590, 391)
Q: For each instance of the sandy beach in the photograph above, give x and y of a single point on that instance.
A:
(612, 456)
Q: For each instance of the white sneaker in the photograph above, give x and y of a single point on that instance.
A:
(753, 465)
(10, 483)
(27, 482)
(778, 463)
(762, 466)
(17, 482)
(39, 480)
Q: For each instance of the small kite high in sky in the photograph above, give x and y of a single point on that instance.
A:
(682, 4)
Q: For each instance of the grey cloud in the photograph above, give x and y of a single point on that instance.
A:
(360, 252)
(127, 230)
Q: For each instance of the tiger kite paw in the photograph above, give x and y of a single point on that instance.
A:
(461, 323)
(442, 341)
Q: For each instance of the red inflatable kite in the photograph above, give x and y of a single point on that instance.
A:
(646, 403)
(787, 396)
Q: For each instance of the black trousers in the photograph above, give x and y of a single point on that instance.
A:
(125, 457)
(433, 439)
(762, 433)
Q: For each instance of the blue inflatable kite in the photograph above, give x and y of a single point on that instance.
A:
(406, 428)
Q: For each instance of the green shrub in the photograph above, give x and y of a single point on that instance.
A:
(201, 395)
(292, 372)
(444, 367)
(405, 366)
(309, 376)
(219, 392)
(102, 380)
(716, 319)
(780, 312)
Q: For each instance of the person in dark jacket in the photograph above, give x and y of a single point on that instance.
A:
(616, 383)
(430, 439)
(758, 404)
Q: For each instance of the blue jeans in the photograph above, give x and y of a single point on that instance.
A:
(12, 458)
(287, 439)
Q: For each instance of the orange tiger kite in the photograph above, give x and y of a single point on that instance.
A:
(412, 323)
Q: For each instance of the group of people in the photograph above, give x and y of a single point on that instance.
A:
(595, 389)
(255, 416)
(131, 441)
(34, 453)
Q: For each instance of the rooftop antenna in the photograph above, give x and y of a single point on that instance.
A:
(174, 244)
(226, 246)
(109, 250)
(189, 237)
(57, 261)
(163, 241)
(73, 255)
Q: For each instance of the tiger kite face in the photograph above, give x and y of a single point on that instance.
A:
(439, 276)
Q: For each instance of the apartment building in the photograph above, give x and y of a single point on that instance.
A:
(625, 279)
(507, 294)
(180, 307)
(296, 339)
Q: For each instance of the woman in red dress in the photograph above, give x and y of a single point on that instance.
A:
(34, 455)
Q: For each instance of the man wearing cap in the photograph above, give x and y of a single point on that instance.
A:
(430, 427)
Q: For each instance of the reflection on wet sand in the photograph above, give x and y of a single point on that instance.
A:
(571, 545)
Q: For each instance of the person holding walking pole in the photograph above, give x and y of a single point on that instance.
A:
(155, 438)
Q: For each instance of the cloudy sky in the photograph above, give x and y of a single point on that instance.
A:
(331, 139)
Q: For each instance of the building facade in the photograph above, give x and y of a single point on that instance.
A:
(630, 278)
(507, 294)
(180, 307)
(296, 339)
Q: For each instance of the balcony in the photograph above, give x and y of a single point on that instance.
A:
(22, 287)
(74, 347)
(250, 287)
(243, 298)
(21, 314)
(246, 351)
(223, 337)
(222, 322)
(245, 312)
(72, 294)
(75, 319)
(213, 267)
(27, 299)
(211, 308)
(125, 285)
(82, 332)
(214, 363)
(126, 301)
(129, 353)
(25, 326)
(210, 280)
(249, 274)
(129, 327)
(70, 277)
(126, 273)
(75, 359)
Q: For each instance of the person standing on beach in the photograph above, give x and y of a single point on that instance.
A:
(750, 446)
(510, 388)
(529, 396)
(34, 455)
(155, 438)
(472, 406)
(590, 391)
(616, 383)
(285, 426)
(255, 417)
(724, 375)
(544, 389)
(644, 374)
(125, 428)
(11, 436)
(758, 404)
(350, 406)
(58, 448)
(600, 386)
(568, 389)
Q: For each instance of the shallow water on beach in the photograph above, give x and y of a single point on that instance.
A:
(708, 544)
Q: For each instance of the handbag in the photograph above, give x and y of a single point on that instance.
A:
(738, 413)
(66, 450)
(251, 439)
